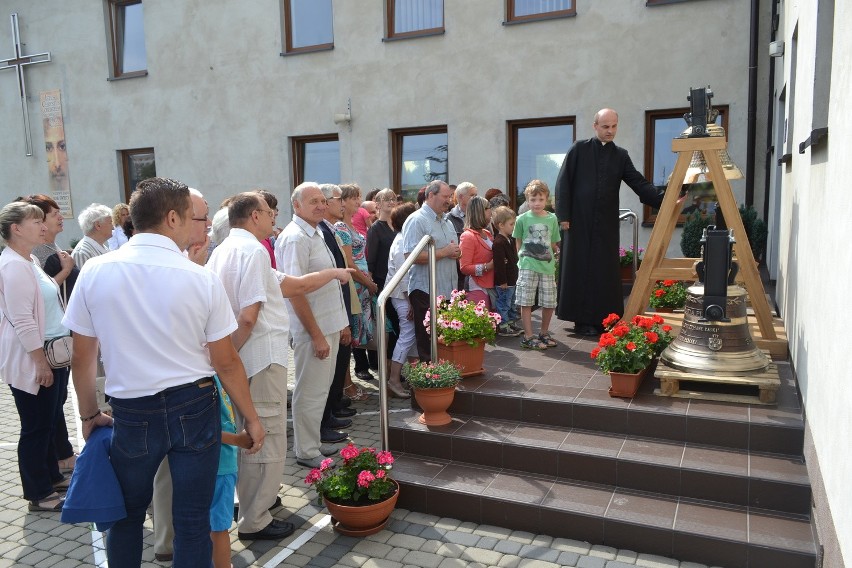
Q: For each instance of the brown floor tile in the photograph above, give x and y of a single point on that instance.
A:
(703, 520)
(775, 532)
(714, 432)
(460, 477)
(656, 425)
(460, 505)
(777, 439)
(662, 404)
(415, 469)
(496, 406)
(708, 550)
(427, 444)
(730, 462)
(486, 429)
(600, 418)
(642, 510)
(553, 392)
(531, 459)
(549, 412)
(584, 442)
(578, 498)
(521, 516)
(477, 451)
(576, 380)
(649, 540)
(473, 383)
(643, 476)
(587, 468)
(647, 451)
(501, 384)
(779, 496)
(776, 416)
(778, 468)
(710, 486)
(519, 488)
(576, 526)
(539, 436)
(718, 410)
(600, 397)
(599, 382)
(763, 556)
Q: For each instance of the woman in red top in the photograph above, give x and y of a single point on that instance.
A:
(477, 260)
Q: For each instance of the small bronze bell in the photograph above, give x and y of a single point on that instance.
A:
(714, 338)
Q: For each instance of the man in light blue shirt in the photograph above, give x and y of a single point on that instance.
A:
(430, 220)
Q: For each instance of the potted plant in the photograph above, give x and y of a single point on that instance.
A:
(626, 349)
(625, 261)
(668, 295)
(359, 493)
(434, 387)
(463, 328)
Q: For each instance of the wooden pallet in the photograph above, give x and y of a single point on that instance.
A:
(777, 348)
(759, 388)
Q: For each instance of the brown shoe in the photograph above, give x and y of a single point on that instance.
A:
(163, 556)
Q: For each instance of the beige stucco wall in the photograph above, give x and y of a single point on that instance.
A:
(220, 103)
(813, 260)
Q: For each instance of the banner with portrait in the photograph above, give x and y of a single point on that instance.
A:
(56, 151)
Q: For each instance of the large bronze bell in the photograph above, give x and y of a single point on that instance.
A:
(715, 338)
(715, 347)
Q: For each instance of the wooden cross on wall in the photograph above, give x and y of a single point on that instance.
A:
(18, 62)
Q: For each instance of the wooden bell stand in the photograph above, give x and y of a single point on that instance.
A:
(769, 334)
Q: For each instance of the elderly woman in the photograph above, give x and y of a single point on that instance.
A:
(120, 213)
(31, 313)
(477, 259)
(59, 265)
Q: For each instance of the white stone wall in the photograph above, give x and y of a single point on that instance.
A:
(219, 103)
(814, 260)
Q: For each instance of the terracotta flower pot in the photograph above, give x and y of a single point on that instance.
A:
(626, 385)
(435, 403)
(362, 520)
(468, 358)
(626, 273)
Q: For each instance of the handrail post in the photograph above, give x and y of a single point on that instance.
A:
(634, 220)
(381, 318)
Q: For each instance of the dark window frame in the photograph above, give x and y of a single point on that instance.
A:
(297, 153)
(396, 140)
(390, 33)
(512, 127)
(115, 39)
(511, 18)
(287, 24)
(648, 216)
(125, 159)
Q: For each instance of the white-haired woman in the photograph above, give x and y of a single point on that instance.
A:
(31, 314)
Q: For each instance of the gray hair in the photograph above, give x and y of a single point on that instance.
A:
(91, 215)
(386, 193)
(329, 189)
(297, 193)
(220, 226)
(463, 188)
(16, 213)
(434, 187)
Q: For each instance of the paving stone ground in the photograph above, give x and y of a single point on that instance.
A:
(410, 540)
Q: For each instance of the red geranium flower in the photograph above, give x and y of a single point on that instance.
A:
(594, 353)
(610, 319)
(607, 340)
(630, 346)
(651, 336)
(659, 293)
(620, 330)
(668, 283)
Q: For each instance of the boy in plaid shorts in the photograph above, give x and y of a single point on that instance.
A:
(536, 236)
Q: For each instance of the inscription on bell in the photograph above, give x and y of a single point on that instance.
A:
(714, 343)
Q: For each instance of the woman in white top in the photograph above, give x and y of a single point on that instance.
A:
(120, 213)
(399, 298)
(31, 313)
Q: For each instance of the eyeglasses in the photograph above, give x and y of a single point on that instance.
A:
(202, 219)
(333, 198)
(269, 212)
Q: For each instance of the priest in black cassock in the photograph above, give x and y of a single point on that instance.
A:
(587, 208)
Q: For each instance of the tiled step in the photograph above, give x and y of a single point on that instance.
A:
(565, 390)
(733, 477)
(651, 523)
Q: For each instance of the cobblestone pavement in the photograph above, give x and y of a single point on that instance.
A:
(411, 539)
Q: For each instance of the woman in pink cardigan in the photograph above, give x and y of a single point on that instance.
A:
(31, 313)
(477, 260)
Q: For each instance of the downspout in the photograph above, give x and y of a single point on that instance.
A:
(771, 111)
(752, 102)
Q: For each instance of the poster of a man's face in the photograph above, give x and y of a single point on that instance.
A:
(57, 158)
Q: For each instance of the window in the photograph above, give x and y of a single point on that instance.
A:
(536, 150)
(661, 126)
(316, 158)
(527, 10)
(419, 156)
(308, 25)
(127, 39)
(136, 165)
(409, 18)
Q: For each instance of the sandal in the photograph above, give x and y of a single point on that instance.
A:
(354, 392)
(395, 392)
(51, 503)
(67, 465)
(547, 339)
(62, 485)
(533, 343)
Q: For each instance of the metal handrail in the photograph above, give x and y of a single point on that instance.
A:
(624, 214)
(382, 332)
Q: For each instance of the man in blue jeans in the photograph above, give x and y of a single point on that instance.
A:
(164, 326)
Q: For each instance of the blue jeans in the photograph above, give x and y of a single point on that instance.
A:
(183, 424)
(506, 304)
(39, 414)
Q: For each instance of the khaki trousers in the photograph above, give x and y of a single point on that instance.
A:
(313, 379)
(161, 514)
(261, 474)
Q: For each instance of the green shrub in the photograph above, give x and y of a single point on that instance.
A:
(693, 229)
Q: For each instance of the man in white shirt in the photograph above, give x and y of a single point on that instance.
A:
(317, 319)
(256, 294)
(160, 351)
(96, 223)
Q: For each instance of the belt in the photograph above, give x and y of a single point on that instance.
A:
(200, 383)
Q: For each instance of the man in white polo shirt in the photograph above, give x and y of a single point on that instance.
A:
(316, 322)
(164, 326)
(256, 292)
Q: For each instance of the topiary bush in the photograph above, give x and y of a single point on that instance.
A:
(693, 229)
(756, 231)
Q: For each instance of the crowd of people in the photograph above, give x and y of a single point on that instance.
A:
(196, 365)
